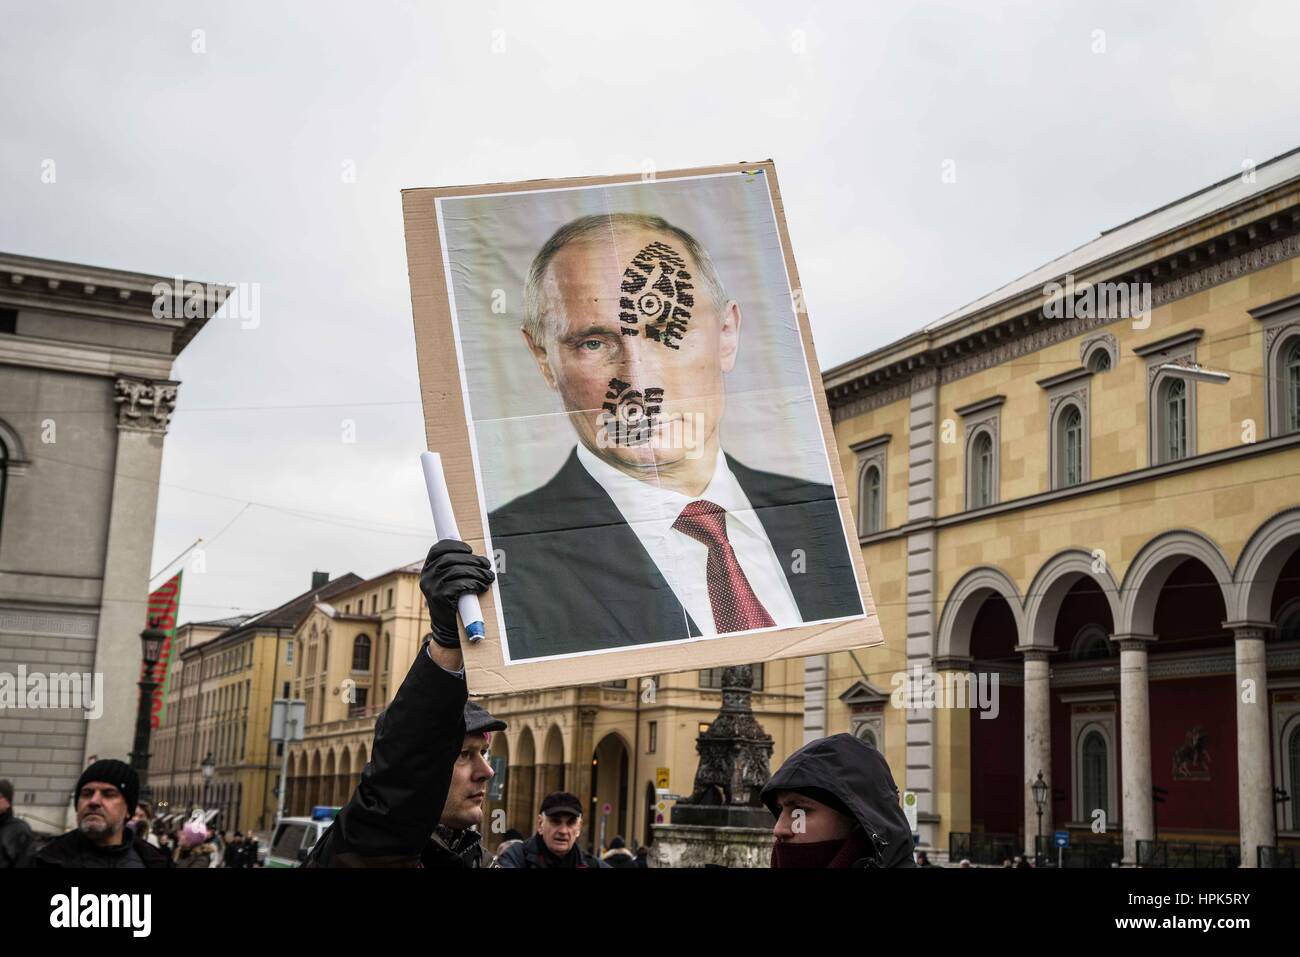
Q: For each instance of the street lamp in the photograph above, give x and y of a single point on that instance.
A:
(152, 640)
(1040, 788)
(209, 766)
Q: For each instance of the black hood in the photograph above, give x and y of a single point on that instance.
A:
(858, 776)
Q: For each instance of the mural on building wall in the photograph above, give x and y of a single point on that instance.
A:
(1192, 757)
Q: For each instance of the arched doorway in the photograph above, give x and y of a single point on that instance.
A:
(552, 775)
(609, 777)
(523, 802)
(497, 809)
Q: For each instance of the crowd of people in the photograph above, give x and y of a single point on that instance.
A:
(420, 800)
(116, 829)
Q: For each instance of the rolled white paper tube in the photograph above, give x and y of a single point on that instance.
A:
(444, 526)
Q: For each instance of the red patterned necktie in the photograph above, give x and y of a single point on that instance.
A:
(735, 606)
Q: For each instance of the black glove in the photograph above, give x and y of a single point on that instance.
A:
(451, 570)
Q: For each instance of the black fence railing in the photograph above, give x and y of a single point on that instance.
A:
(982, 847)
(1090, 851)
(1180, 854)
(1277, 856)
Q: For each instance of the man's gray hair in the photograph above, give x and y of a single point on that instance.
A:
(536, 304)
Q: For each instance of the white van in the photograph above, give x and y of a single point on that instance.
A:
(295, 837)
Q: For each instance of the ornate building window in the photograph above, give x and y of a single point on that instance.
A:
(981, 469)
(982, 422)
(1099, 353)
(1094, 769)
(1171, 399)
(1281, 326)
(1093, 757)
(1069, 455)
(871, 483)
(13, 462)
(1091, 642)
(1072, 445)
(1289, 380)
(361, 653)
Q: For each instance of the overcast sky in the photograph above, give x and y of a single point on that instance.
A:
(220, 156)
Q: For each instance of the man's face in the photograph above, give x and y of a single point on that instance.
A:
(805, 821)
(608, 346)
(469, 778)
(101, 812)
(559, 831)
(4, 804)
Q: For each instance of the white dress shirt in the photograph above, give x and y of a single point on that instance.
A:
(650, 510)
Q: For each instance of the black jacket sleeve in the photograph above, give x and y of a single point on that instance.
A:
(403, 787)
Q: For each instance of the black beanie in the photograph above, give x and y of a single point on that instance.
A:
(117, 773)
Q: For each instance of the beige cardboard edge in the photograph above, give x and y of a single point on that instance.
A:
(447, 432)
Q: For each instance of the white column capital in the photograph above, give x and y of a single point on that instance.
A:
(1246, 630)
(1035, 652)
(1132, 641)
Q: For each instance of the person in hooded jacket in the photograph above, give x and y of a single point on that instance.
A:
(196, 847)
(421, 794)
(618, 855)
(836, 806)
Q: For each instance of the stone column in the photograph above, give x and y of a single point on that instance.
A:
(1038, 738)
(1254, 759)
(143, 411)
(1135, 742)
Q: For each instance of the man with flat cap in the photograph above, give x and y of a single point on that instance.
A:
(559, 825)
(105, 797)
(421, 795)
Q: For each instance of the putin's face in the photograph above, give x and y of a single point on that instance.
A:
(637, 348)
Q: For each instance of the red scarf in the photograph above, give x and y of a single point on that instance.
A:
(819, 854)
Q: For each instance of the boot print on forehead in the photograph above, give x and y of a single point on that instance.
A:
(657, 295)
(629, 415)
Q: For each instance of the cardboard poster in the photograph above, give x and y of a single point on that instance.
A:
(620, 378)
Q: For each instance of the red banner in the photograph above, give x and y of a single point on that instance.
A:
(163, 606)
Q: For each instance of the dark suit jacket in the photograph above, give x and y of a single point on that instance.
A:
(576, 577)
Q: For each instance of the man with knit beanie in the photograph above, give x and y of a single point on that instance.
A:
(105, 798)
(836, 806)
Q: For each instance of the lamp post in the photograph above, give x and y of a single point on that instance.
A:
(152, 640)
(208, 766)
(1039, 787)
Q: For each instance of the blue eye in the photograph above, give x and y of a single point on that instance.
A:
(591, 345)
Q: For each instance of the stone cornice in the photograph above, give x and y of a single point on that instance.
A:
(866, 445)
(112, 295)
(886, 375)
(983, 405)
(84, 359)
(1052, 381)
(1175, 341)
(1272, 308)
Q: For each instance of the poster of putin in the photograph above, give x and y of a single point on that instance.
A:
(619, 375)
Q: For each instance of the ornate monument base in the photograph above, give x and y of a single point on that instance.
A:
(691, 845)
(724, 823)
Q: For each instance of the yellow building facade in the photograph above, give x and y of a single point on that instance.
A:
(219, 714)
(1087, 484)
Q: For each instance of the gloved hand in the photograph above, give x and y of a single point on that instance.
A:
(451, 570)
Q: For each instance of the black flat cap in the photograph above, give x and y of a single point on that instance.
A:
(478, 721)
